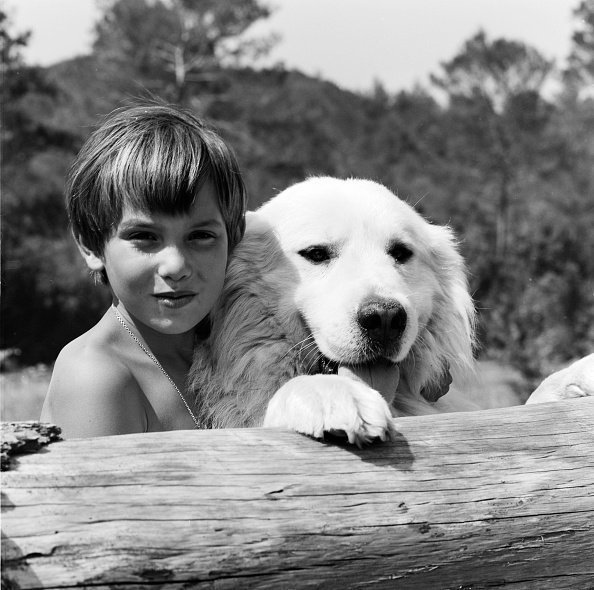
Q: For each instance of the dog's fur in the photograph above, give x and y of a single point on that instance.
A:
(317, 262)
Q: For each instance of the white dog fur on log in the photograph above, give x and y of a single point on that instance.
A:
(574, 381)
(336, 276)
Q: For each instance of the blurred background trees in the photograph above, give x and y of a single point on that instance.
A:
(177, 49)
(505, 161)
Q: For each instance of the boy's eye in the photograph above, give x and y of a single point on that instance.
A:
(202, 235)
(142, 236)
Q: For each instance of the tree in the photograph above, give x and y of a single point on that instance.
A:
(494, 92)
(11, 45)
(580, 70)
(525, 186)
(172, 45)
(43, 291)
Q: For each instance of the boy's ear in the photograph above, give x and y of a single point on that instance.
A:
(94, 262)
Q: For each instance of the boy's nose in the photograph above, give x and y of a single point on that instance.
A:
(173, 264)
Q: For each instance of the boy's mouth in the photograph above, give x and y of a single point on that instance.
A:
(175, 299)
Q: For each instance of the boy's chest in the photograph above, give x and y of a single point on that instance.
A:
(165, 405)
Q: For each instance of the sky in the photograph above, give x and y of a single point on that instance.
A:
(350, 42)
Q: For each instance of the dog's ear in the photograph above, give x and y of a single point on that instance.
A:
(444, 350)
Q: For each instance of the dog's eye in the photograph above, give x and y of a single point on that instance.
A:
(316, 254)
(400, 253)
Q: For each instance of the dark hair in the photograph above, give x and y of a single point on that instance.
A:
(155, 158)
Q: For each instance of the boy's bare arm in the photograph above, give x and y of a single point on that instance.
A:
(93, 395)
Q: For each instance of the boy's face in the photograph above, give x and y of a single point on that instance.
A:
(167, 271)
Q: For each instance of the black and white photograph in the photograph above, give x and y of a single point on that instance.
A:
(297, 294)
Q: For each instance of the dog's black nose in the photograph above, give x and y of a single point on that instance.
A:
(383, 320)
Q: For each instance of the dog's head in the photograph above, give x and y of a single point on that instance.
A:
(374, 280)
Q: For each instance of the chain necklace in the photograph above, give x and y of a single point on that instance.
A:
(154, 359)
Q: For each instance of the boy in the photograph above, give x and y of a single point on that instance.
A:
(156, 202)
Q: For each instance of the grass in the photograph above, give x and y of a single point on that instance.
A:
(22, 392)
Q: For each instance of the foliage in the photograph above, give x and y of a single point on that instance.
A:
(581, 59)
(512, 141)
(177, 46)
(44, 301)
(509, 169)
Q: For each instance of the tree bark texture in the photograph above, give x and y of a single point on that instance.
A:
(498, 498)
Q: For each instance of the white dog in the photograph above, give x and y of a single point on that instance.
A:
(335, 276)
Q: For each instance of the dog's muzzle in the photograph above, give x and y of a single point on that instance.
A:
(382, 322)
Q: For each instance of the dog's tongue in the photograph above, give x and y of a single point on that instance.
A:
(381, 375)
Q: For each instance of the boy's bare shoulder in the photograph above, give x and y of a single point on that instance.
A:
(91, 360)
(93, 392)
(96, 352)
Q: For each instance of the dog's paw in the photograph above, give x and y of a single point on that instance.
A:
(315, 404)
(575, 381)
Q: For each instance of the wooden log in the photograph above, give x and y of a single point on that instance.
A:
(25, 437)
(474, 500)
